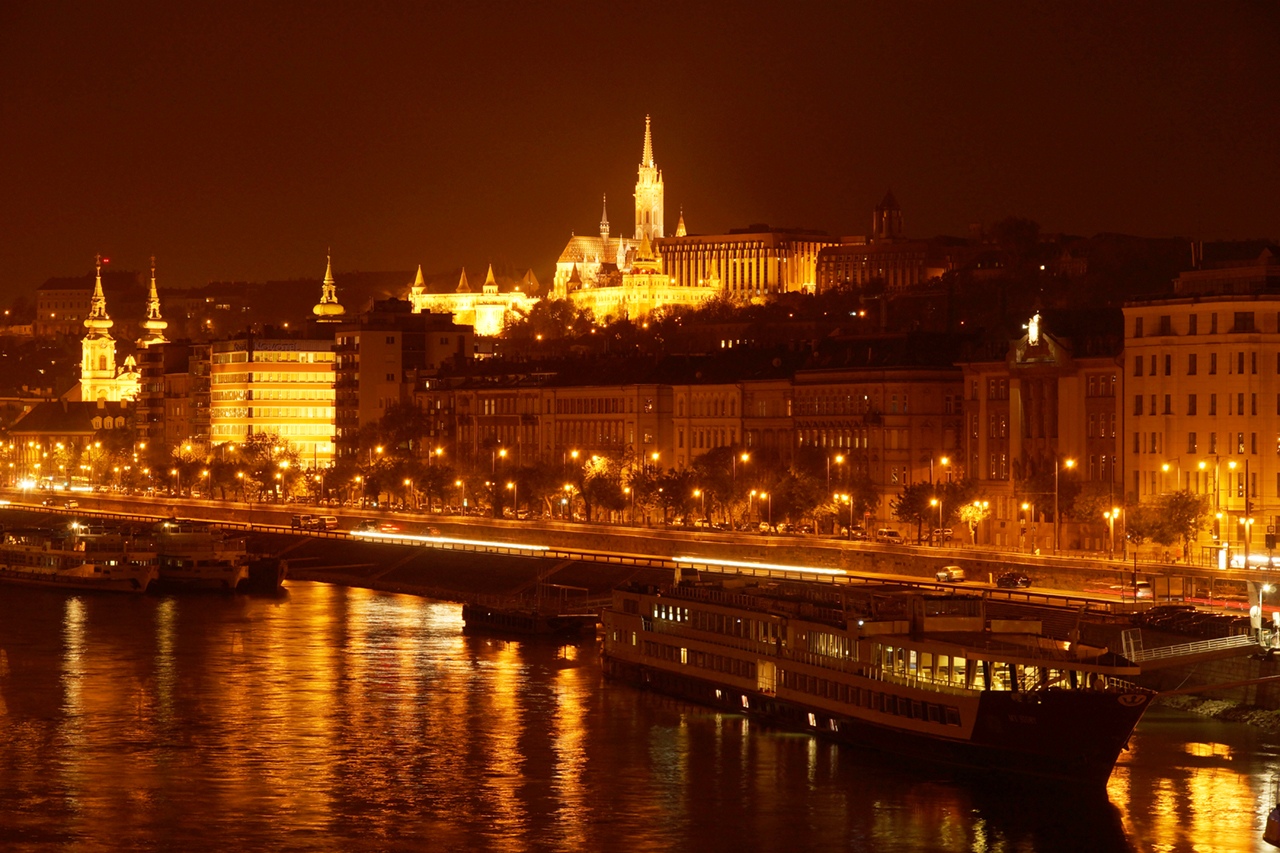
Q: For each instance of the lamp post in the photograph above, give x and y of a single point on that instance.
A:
(462, 487)
(627, 490)
(1057, 519)
(839, 461)
(1110, 516)
(1248, 538)
(698, 493)
(494, 456)
(515, 499)
(409, 496)
(750, 499)
(938, 504)
(177, 476)
(946, 466)
(746, 457)
(769, 497)
(567, 503)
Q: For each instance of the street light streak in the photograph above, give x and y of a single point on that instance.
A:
(444, 540)
(772, 566)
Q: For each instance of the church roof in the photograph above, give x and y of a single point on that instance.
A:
(888, 202)
(64, 417)
(463, 286)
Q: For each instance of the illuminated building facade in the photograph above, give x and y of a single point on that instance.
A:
(274, 385)
(637, 291)
(1201, 397)
(379, 356)
(1042, 404)
(597, 262)
(99, 377)
(746, 264)
(485, 311)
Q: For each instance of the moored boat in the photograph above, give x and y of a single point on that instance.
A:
(198, 556)
(526, 619)
(920, 674)
(77, 558)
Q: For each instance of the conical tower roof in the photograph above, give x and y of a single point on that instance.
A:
(328, 306)
(680, 229)
(646, 157)
(154, 324)
(490, 283)
(98, 322)
(463, 286)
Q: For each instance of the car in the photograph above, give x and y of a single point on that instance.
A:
(1142, 590)
(71, 504)
(950, 574)
(941, 534)
(1013, 580)
(889, 537)
(388, 527)
(365, 524)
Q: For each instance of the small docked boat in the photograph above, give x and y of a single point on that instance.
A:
(77, 557)
(198, 556)
(915, 673)
(526, 619)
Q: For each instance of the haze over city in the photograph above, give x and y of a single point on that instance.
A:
(239, 141)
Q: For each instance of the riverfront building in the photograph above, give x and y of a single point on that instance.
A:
(283, 386)
(1201, 404)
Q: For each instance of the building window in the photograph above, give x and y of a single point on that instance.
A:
(1243, 322)
(1240, 362)
(1166, 324)
(1191, 442)
(1240, 403)
(1168, 404)
(1253, 443)
(1191, 404)
(1191, 364)
(1240, 443)
(1137, 442)
(1213, 404)
(1137, 327)
(1253, 404)
(1213, 364)
(1168, 365)
(1213, 442)
(1137, 365)
(1191, 324)
(1153, 365)
(1137, 404)
(1213, 324)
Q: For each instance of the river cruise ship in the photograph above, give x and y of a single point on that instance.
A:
(77, 557)
(920, 674)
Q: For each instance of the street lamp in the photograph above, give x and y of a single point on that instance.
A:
(1111, 515)
(698, 493)
(1248, 539)
(515, 499)
(178, 480)
(463, 487)
(410, 503)
(627, 490)
(494, 456)
(567, 503)
(360, 486)
(768, 496)
(938, 504)
(1057, 519)
(839, 461)
(746, 457)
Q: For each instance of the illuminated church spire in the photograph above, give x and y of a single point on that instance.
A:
(604, 218)
(419, 284)
(463, 285)
(98, 322)
(154, 324)
(648, 191)
(328, 307)
(490, 283)
(680, 229)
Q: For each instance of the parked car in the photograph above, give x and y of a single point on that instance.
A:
(889, 537)
(950, 574)
(71, 504)
(1013, 580)
(941, 534)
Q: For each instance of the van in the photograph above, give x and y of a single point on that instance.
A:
(301, 522)
(889, 537)
(325, 522)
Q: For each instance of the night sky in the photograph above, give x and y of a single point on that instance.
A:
(237, 141)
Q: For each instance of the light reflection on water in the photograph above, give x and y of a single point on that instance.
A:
(336, 719)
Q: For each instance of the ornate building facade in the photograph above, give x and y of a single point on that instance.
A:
(485, 311)
(100, 379)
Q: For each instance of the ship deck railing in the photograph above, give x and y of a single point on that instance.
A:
(1143, 655)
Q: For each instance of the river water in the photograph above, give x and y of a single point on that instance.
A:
(345, 719)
